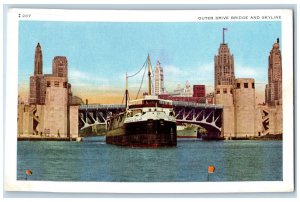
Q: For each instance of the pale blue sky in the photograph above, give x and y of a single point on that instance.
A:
(99, 54)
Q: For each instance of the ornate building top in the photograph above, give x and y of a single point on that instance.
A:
(224, 66)
(38, 60)
(60, 66)
(273, 91)
(158, 79)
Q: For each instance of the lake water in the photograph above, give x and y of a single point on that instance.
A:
(94, 160)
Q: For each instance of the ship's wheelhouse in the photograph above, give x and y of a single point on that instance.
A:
(150, 104)
(150, 101)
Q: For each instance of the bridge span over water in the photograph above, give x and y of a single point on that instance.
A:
(207, 116)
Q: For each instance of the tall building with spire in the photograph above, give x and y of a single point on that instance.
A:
(224, 65)
(37, 91)
(159, 87)
(273, 91)
(38, 60)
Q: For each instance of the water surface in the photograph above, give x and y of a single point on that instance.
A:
(94, 160)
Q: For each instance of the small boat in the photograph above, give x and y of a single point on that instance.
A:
(187, 131)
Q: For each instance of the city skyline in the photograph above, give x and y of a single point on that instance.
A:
(100, 54)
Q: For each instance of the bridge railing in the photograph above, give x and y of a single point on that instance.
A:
(200, 105)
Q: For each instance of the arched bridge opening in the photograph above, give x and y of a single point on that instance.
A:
(208, 117)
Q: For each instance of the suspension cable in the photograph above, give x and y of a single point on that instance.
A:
(128, 96)
(144, 66)
(123, 98)
(141, 83)
(139, 70)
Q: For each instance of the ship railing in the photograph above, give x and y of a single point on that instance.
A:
(150, 105)
(102, 106)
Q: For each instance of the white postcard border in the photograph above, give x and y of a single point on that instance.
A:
(11, 93)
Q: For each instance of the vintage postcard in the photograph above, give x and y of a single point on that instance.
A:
(149, 101)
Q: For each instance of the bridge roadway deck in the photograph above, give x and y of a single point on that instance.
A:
(175, 104)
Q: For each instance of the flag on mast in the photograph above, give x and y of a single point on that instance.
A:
(224, 29)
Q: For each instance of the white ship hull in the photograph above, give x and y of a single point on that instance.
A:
(187, 132)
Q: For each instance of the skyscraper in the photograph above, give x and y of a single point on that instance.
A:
(37, 81)
(158, 79)
(224, 65)
(273, 91)
(38, 60)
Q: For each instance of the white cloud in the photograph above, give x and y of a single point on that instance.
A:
(83, 79)
(245, 72)
(173, 71)
(202, 74)
(205, 73)
(79, 84)
(174, 75)
(259, 74)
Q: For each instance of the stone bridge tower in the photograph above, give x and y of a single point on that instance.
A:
(224, 96)
(244, 104)
(52, 110)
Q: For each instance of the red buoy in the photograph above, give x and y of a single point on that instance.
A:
(28, 172)
(211, 169)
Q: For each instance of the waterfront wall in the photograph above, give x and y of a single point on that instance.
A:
(25, 119)
(275, 120)
(74, 121)
(259, 127)
(271, 118)
(39, 120)
(44, 121)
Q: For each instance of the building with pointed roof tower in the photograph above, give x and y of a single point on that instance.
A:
(224, 65)
(37, 81)
(159, 87)
(273, 91)
(38, 60)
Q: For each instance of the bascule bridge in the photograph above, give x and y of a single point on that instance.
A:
(204, 115)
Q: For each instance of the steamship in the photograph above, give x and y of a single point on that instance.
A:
(147, 122)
